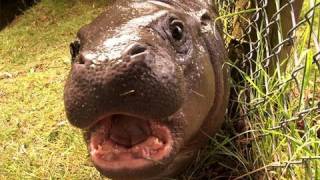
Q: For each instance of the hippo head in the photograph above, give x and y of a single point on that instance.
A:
(147, 85)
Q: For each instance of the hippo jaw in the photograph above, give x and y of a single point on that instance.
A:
(143, 92)
(142, 144)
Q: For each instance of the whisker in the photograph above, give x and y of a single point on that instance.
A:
(153, 160)
(195, 92)
(127, 93)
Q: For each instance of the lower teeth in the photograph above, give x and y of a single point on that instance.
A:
(108, 157)
(110, 151)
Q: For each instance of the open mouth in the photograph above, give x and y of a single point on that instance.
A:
(121, 142)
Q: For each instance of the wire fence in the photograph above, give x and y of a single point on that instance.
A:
(274, 49)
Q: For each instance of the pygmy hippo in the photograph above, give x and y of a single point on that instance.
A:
(148, 85)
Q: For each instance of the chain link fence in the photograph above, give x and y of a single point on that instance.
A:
(273, 124)
(274, 50)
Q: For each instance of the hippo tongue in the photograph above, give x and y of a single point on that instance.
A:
(128, 131)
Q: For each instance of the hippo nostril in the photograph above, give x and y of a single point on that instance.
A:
(137, 49)
(80, 60)
(83, 60)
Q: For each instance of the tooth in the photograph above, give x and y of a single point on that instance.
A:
(108, 157)
(157, 141)
(157, 144)
(136, 154)
(116, 150)
(146, 152)
(93, 151)
(135, 149)
(99, 147)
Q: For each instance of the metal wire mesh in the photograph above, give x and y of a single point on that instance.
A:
(274, 47)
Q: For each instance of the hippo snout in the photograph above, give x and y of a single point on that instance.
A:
(139, 82)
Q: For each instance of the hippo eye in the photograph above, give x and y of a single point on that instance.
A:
(177, 30)
(74, 50)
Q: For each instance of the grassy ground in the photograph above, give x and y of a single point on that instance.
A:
(276, 132)
(36, 141)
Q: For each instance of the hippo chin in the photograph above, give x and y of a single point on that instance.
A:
(147, 85)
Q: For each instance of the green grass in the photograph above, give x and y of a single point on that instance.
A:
(279, 117)
(37, 142)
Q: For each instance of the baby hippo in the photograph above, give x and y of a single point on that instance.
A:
(148, 85)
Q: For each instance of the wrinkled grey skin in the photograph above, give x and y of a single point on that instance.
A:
(129, 62)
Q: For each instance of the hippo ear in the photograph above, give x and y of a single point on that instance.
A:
(208, 13)
(205, 18)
